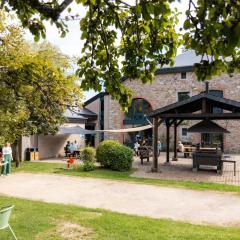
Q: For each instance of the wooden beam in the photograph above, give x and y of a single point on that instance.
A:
(175, 141)
(168, 141)
(179, 122)
(160, 122)
(171, 122)
(201, 116)
(155, 139)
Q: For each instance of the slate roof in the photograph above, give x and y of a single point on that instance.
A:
(194, 104)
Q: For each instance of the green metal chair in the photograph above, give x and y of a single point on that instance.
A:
(4, 218)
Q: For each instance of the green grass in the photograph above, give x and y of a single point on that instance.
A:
(56, 168)
(34, 220)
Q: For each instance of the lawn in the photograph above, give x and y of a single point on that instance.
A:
(57, 168)
(34, 220)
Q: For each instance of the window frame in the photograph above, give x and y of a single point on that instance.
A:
(185, 75)
(182, 92)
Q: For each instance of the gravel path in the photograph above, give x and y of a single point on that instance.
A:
(200, 207)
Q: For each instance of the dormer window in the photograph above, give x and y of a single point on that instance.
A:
(183, 75)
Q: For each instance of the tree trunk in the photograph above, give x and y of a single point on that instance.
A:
(18, 152)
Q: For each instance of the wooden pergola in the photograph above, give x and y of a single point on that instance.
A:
(198, 107)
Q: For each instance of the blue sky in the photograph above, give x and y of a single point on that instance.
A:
(72, 44)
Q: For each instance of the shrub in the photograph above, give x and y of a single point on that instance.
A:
(88, 166)
(104, 152)
(88, 158)
(113, 155)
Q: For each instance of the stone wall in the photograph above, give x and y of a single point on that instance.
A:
(164, 90)
(115, 120)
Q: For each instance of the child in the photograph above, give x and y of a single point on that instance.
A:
(159, 147)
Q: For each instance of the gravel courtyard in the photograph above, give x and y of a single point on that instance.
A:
(201, 207)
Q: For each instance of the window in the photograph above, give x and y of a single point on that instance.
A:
(183, 96)
(183, 75)
(136, 116)
(216, 93)
(136, 112)
(184, 132)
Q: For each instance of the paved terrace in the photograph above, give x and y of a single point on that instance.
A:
(182, 170)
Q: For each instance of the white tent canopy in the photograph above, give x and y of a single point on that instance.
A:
(79, 130)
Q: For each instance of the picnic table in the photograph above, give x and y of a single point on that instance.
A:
(145, 152)
(188, 150)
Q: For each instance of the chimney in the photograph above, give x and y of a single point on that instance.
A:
(207, 87)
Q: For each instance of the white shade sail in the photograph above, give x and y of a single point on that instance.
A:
(79, 130)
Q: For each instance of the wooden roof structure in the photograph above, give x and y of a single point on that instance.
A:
(207, 126)
(198, 107)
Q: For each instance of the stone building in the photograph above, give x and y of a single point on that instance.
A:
(171, 84)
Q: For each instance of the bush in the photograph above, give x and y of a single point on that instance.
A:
(88, 166)
(88, 158)
(113, 155)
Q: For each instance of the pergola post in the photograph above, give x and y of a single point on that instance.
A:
(175, 141)
(155, 139)
(168, 140)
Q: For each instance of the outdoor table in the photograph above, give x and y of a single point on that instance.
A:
(188, 150)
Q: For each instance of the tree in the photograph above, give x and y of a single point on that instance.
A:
(148, 39)
(35, 88)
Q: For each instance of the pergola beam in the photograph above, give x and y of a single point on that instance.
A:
(200, 116)
(156, 124)
(175, 141)
(168, 124)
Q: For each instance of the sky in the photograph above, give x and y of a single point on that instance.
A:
(72, 44)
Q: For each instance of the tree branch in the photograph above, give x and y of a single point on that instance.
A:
(48, 10)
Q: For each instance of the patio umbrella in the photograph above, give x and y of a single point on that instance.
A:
(207, 126)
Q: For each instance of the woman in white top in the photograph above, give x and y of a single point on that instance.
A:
(7, 158)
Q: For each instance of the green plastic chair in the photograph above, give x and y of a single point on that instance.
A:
(4, 218)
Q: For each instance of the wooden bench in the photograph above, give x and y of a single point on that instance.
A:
(145, 153)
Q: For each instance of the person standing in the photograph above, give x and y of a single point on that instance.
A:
(7, 158)
(159, 147)
(136, 146)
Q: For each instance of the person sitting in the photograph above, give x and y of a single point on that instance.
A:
(66, 148)
(71, 149)
(180, 147)
(143, 143)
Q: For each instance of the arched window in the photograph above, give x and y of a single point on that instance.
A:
(136, 114)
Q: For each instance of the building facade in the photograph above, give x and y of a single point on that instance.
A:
(171, 85)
